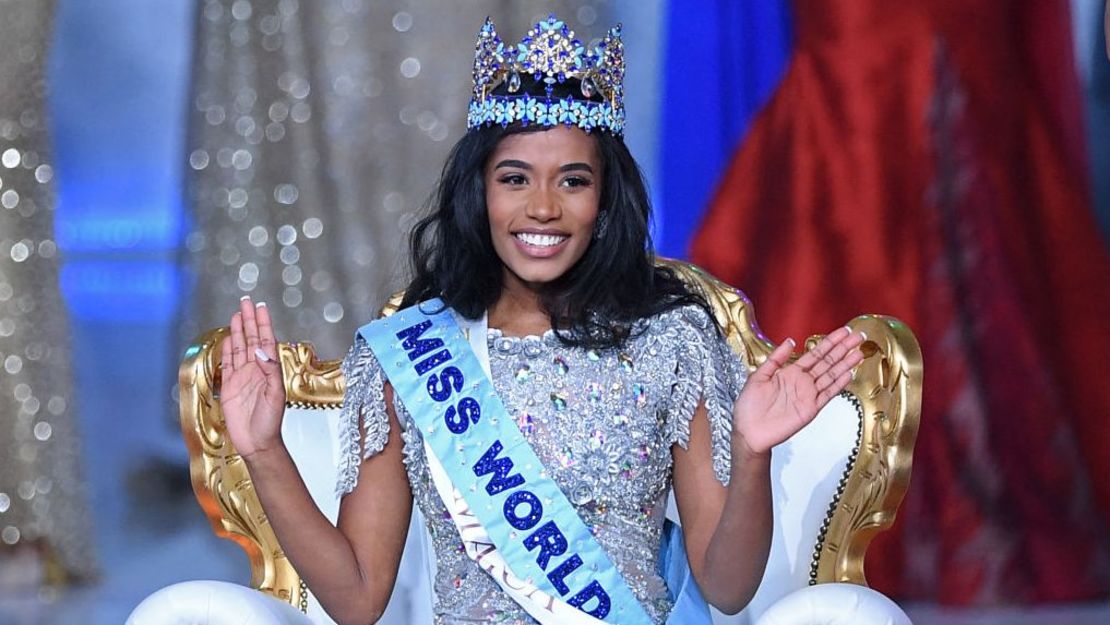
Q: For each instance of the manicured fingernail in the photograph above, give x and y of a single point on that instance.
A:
(848, 328)
(261, 355)
(244, 298)
(791, 341)
(864, 335)
(260, 305)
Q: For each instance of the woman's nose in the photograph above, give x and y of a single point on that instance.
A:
(544, 206)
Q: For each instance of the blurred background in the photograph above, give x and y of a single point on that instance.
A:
(946, 162)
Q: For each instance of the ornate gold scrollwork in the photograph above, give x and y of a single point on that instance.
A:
(219, 476)
(309, 383)
(887, 386)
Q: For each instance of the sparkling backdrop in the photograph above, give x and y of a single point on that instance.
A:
(41, 493)
(317, 132)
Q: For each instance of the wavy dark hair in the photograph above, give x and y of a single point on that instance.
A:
(595, 303)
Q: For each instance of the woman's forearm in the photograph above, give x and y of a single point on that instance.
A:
(737, 552)
(320, 553)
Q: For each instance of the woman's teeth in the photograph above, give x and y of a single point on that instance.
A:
(540, 240)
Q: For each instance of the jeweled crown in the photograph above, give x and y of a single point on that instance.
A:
(550, 55)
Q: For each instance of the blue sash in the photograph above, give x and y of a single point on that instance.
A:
(528, 518)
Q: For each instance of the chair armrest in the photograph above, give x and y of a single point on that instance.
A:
(205, 602)
(834, 604)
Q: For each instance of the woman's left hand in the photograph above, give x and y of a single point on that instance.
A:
(780, 398)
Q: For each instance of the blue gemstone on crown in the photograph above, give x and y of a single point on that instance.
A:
(551, 55)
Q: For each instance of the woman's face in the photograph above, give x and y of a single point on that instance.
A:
(542, 193)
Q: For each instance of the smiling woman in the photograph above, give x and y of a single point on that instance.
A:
(535, 281)
(543, 227)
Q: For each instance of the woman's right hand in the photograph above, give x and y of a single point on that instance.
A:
(252, 391)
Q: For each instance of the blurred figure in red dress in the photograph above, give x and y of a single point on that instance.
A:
(925, 159)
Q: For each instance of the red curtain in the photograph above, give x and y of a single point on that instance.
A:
(924, 159)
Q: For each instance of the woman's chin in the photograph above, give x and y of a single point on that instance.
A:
(537, 276)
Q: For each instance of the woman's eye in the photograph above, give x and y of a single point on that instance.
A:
(577, 181)
(514, 179)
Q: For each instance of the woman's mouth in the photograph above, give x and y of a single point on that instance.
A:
(540, 245)
(541, 240)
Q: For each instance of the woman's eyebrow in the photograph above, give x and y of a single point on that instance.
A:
(513, 163)
(577, 167)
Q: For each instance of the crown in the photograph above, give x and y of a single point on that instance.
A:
(549, 54)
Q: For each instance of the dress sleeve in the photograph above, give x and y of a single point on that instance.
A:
(709, 371)
(365, 396)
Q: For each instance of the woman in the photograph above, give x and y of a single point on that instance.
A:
(608, 370)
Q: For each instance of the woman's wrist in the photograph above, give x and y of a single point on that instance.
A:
(747, 462)
(265, 455)
(743, 450)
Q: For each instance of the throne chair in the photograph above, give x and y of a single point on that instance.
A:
(835, 485)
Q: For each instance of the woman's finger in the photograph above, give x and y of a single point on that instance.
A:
(835, 354)
(844, 365)
(225, 361)
(266, 339)
(250, 326)
(832, 390)
(776, 360)
(824, 346)
(266, 353)
(238, 343)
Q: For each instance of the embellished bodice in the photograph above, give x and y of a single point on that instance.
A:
(603, 423)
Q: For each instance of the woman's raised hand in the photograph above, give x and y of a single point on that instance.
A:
(780, 398)
(252, 391)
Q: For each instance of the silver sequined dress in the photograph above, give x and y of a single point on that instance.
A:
(602, 421)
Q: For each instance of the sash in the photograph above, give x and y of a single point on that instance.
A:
(513, 519)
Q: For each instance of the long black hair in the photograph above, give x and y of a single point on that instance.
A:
(595, 303)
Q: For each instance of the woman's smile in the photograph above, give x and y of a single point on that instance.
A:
(541, 243)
